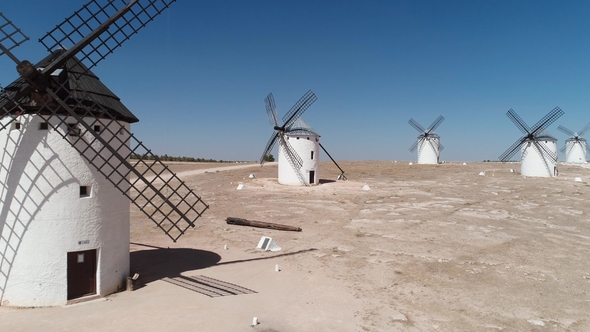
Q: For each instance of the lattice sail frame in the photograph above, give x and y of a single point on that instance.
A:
(531, 134)
(92, 16)
(114, 152)
(124, 160)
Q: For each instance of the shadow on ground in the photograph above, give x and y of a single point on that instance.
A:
(158, 263)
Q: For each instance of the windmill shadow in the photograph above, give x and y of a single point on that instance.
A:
(322, 181)
(159, 263)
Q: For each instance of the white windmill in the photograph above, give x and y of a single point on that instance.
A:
(538, 148)
(575, 146)
(427, 143)
(299, 144)
(68, 158)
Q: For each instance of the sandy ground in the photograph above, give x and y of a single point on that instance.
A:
(427, 248)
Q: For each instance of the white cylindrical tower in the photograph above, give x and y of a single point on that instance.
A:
(428, 149)
(575, 150)
(535, 161)
(306, 143)
(64, 226)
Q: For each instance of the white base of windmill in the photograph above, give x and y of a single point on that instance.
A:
(50, 230)
(308, 148)
(535, 163)
(428, 151)
(575, 151)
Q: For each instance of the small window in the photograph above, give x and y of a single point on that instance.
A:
(297, 137)
(15, 125)
(85, 191)
(73, 129)
(43, 126)
(121, 131)
(80, 258)
(317, 139)
(311, 155)
(97, 129)
(308, 138)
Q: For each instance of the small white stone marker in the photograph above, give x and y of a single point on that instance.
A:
(225, 247)
(366, 187)
(240, 187)
(277, 268)
(255, 321)
(252, 176)
(482, 173)
(410, 163)
(578, 179)
(464, 164)
(511, 170)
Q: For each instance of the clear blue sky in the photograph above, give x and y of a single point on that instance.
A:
(197, 76)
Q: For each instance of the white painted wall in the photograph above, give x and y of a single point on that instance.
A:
(575, 152)
(304, 146)
(428, 153)
(534, 162)
(43, 217)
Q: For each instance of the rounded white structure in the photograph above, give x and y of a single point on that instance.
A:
(575, 151)
(64, 227)
(535, 161)
(428, 149)
(306, 143)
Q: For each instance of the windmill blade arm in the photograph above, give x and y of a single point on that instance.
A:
(293, 159)
(299, 108)
(547, 120)
(511, 151)
(584, 130)
(440, 147)
(271, 110)
(414, 146)
(269, 146)
(563, 149)
(518, 121)
(436, 123)
(10, 37)
(416, 126)
(545, 151)
(291, 154)
(155, 190)
(106, 35)
(566, 131)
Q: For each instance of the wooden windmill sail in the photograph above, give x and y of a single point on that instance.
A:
(59, 102)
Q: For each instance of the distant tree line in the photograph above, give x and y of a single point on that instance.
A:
(171, 158)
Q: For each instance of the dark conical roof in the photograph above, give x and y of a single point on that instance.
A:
(83, 85)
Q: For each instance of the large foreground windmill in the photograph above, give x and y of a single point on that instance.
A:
(427, 143)
(575, 146)
(70, 165)
(538, 148)
(299, 144)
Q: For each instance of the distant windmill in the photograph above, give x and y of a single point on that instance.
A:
(427, 143)
(69, 163)
(539, 149)
(296, 139)
(575, 146)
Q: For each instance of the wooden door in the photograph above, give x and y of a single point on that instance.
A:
(81, 273)
(311, 177)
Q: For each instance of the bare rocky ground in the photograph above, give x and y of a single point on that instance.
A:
(427, 248)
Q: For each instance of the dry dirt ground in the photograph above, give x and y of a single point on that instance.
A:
(427, 248)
